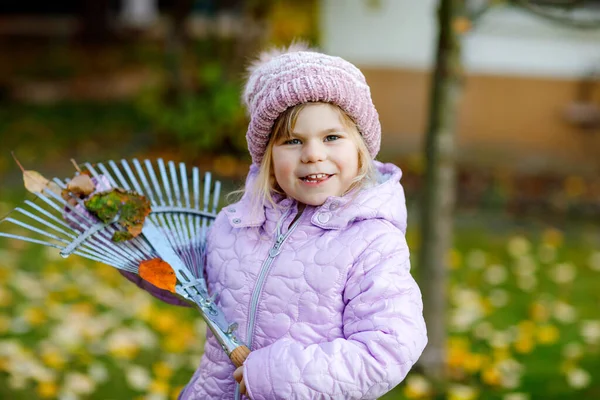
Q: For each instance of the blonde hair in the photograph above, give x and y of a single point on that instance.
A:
(265, 186)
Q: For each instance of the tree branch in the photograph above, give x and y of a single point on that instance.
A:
(544, 12)
(475, 15)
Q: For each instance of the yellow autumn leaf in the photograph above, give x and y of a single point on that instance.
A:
(36, 183)
(53, 187)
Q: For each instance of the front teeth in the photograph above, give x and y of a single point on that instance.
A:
(316, 176)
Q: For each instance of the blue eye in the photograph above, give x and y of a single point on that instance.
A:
(331, 138)
(292, 141)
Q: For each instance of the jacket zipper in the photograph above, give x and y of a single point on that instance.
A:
(262, 276)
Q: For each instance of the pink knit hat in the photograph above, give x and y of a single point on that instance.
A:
(282, 79)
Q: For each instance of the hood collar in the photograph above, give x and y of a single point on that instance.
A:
(385, 200)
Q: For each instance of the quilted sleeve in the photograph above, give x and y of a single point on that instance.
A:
(384, 335)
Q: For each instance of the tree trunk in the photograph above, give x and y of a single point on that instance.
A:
(439, 189)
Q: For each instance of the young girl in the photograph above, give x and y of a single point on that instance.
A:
(312, 263)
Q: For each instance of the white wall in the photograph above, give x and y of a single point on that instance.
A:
(402, 33)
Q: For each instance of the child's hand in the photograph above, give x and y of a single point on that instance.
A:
(238, 375)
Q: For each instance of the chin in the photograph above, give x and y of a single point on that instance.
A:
(313, 202)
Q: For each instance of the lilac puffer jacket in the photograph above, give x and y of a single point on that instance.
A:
(326, 304)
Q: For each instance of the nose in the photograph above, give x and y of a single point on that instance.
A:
(313, 151)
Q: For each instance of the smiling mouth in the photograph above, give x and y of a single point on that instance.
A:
(315, 178)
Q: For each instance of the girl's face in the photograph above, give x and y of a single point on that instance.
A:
(320, 159)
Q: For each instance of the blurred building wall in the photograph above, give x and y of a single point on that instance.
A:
(523, 76)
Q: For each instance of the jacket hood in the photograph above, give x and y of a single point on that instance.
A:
(384, 200)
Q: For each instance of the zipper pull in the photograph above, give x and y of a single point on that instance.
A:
(276, 247)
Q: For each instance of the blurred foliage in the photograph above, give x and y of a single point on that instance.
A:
(204, 112)
(47, 136)
(292, 20)
(209, 118)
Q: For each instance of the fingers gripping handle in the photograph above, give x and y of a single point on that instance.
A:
(239, 355)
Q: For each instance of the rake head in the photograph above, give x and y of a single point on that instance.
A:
(182, 209)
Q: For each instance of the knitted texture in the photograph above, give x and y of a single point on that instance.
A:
(279, 81)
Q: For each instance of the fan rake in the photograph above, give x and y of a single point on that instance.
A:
(182, 210)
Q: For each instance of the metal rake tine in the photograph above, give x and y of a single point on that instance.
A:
(122, 266)
(196, 184)
(128, 249)
(207, 184)
(132, 177)
(175, 181)
(190, 219)
(48, 215)
(60, 183)
(31, 240)
(180, 232)
(167, 227)
(127, 245)
(197, 239)
(44, 222)
(173, 225)
(186, 194)
(170, 230)
(107, 174)
(186, 235)
(184, 184)
(165, 179)
(134, 249)
(83, 223)
(94, 234)
(177, 230)
(120, 177)
(87, 254)
(99, 252)
(142, 175)
(34, 229)
(216, 195)
(91, 168)
(53, 196)
(154, 180)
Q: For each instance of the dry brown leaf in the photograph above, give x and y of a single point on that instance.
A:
(53, 186)
(81, 185)
(159, 273)
(35, 182)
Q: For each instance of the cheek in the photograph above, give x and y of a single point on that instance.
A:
(352, 163)
(282, 167)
